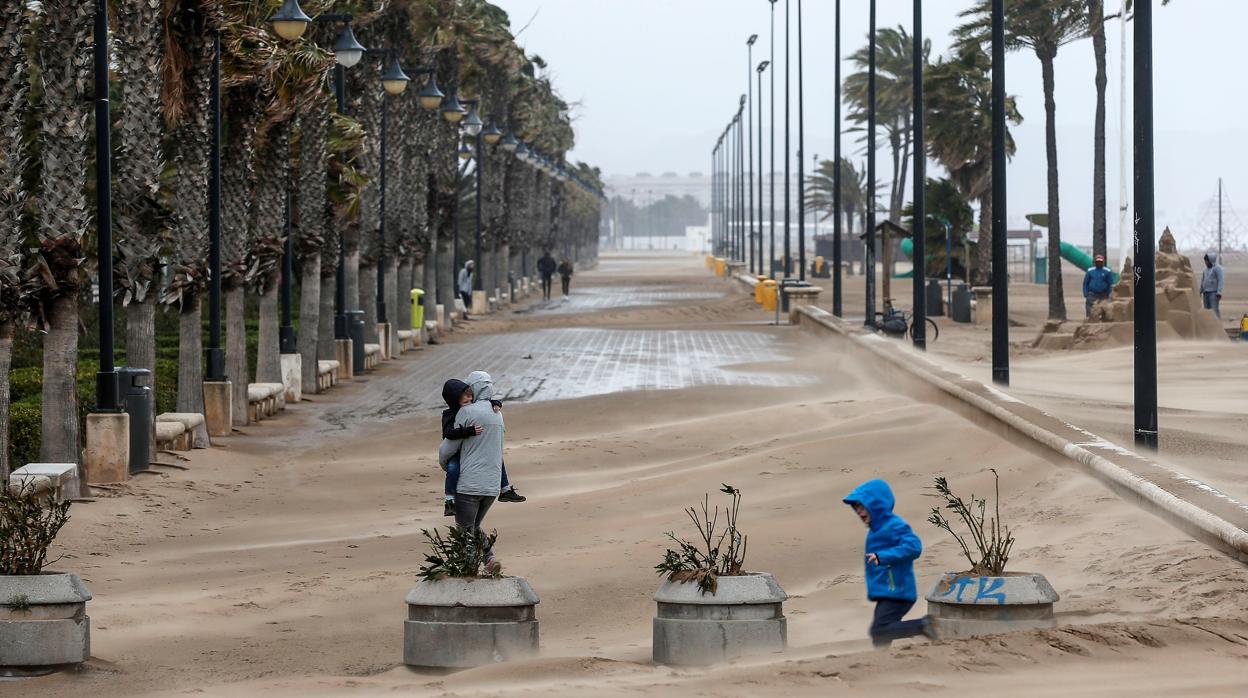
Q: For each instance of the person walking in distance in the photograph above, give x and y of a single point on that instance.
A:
(565, 276)
(464, 285)
(546, 268)
(1098, 283)
(1211, 281)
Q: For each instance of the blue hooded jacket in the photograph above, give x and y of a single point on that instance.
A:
(893, 542)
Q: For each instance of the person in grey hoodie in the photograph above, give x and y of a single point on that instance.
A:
(480, 456)
(1211, 281)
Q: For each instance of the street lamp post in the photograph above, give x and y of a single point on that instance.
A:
(106, 385)
(394, 82)
(1145, 228)
(836, 173)
(771, 170)
(761, 268)
(919, 233)
(1000, 237)
(788, 249)
(868, 255)
(801, 156)
(215, 354)
(749, 66)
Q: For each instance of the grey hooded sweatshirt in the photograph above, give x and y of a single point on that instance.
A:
(1211, 279)
(481, 456)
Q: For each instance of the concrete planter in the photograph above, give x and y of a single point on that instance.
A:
(745, 616)
(962, 605)
(43, 623)
(470, 622)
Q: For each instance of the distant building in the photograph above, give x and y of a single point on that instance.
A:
(644, 186)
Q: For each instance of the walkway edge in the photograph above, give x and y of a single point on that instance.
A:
(1199, 509)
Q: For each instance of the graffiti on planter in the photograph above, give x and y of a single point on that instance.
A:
(988, 589)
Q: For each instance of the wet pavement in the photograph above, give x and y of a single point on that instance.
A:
(597, 298)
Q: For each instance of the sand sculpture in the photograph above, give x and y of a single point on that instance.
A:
(1179, 311)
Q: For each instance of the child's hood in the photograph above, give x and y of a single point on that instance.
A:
(877, 497)
(452, 390)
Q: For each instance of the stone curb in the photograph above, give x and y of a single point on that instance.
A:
(1199, 509)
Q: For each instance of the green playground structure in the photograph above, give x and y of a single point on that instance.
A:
(1070, 253)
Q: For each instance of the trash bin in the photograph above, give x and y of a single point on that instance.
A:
(769, 295)
(355, 332)
(784, 292)
(935, 299)
(961, 311)
(136, 400)
(418, 309)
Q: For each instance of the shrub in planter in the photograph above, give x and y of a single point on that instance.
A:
(463, 612)
(43, 621)
(710, 609)
(986, 598)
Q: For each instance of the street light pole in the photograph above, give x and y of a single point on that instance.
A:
(106, 385)
(1000, 237)
(215, 354)
(771, 172)
(788, 250)
(801, 155)
(762, 270)
(919, 227)
(1145, 228)
(749, 66)
(868, 255)
(836, 173)
(340, 278)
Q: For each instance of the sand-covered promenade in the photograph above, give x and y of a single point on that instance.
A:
(277, 562)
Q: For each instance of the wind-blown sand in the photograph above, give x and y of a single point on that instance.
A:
(277, 564)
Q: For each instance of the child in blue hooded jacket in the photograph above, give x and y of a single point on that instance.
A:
(890, 552)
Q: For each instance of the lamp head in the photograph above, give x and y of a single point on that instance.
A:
(492, 135)
(430, 96)
(763, 66)
(473, 124)
(289, 21)
(465, 153)
(509, 143)
(750, 41)
(394, 80)
(347, 50)
(452, 110)
(523, 153)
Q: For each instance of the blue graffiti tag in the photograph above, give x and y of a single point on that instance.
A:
(987, 585)
(959, 584)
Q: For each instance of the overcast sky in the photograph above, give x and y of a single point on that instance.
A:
(657, 80)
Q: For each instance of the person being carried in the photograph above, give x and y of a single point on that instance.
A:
(1098, 283)
(546, 268)
(457, 395)
(1211, 281)
(565, 275)
(890, 551)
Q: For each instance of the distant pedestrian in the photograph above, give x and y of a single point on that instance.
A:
(565, 275)
(1098, 284)
(546, 267)
(1211, 281)
(890, 552)
(467, 278)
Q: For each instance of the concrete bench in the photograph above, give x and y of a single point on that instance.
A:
(58, 479)
(431, 330)
(196, 427)
(264, 400)
(171, 436)
(407, 340)
(372, 356)
(326, 374)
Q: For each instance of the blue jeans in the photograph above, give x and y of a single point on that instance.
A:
(888, 624)
(1212, 302)
(452, 477)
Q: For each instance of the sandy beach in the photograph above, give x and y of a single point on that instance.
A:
(277, 562)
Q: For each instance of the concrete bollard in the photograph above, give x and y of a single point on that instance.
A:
(963, 606)
(50, 629)
(292, 376)
(470, 622)
(219, 407)
(107, 456)
(745, 616)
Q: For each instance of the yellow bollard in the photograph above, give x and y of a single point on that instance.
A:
(759, 289)
(769, 295)
(721, 267)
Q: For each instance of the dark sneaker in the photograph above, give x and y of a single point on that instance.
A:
(448, 507)
(929, 629)
(511, 496)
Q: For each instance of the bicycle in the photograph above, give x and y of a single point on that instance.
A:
(899, 323)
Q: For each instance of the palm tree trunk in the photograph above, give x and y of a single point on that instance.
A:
(389, 291)
(325, 345)
(141, 339)
(446, 276)
(62, 441)
(402, 314)
(1057, 303)
(982, 264)
(351, 278)
(268, 353)
(429, 283)
(191, 355)
(1096, 11)
(236, 350)
(7, 330)
(368, 300)
(309, 319)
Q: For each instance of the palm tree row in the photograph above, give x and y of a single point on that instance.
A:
(291, 160)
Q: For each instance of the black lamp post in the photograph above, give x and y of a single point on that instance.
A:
(801, 155)
(749, 66)
(761, 268)
(771, 171)
(1145, 228)
(919, 228)
(394, 82)
(106, 385)
(1000, 238)
(868, 256)
(742, 218)
(788, 247)
(836, 172)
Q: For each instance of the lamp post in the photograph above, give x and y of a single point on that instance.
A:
(771, 170)
(919, 233)
(788, 248)
(868, 256)
(742, 217)
(749, 66)
(761, 68)
(473, 128)
(1145, 228)
(836, 171)
(106, 385)
(1000, 238)
(801, 156)
(394, 82)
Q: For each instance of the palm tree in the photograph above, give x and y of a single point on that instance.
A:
(1043, 26)
(14, 156)
(311, 215)
(65, 50)
(819, 190)
(959, 135)
(1096, 25)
